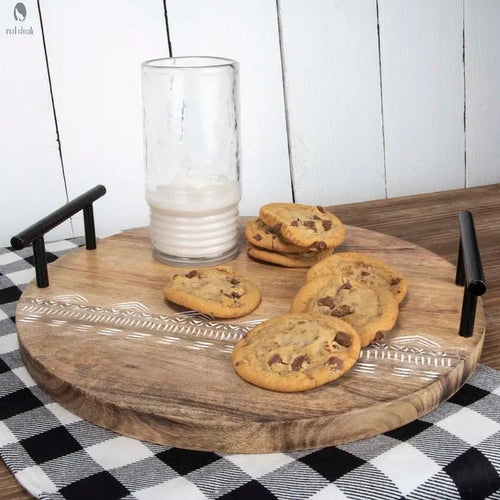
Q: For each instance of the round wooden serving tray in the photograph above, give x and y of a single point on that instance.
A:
(103, 342)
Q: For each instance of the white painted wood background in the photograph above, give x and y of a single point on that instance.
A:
(341, 100)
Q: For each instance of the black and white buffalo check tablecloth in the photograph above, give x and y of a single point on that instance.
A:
(453, 452)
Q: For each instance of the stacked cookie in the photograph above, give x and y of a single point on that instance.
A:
(293, 235)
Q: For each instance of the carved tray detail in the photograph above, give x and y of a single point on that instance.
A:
(410, 355)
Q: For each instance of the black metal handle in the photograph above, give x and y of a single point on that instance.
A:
(469, 273)
(35, 233)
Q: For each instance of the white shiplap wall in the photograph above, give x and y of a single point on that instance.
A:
(482, 83)
(341, 101)
(94, 50)
(423, 95)
(29, 154)
(331, 74)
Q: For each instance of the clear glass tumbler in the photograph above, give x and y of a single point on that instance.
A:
(192, 158)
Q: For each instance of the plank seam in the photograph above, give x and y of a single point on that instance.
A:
(381, 98)
(465, 94)
(54, 112)
(285, 98)
(169, 42)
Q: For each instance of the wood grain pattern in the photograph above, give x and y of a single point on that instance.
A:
(430, 220)
(108, 359)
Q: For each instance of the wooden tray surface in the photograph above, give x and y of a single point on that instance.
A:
(103, 342)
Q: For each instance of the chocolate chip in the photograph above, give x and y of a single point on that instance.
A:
(395, 281)
(257, 237)
(321, 209)
(299, 362)
(327, 224)
(319, 245)
(346, 285)
(343, 339)
(365, 273)
(276, 229)
(275, 358)
(234, 281)
(379, 335)
(295, 223)
(326, 301)
(233, 295)
(192, 274)
(342, 311)
(309, 224)
(334, 363)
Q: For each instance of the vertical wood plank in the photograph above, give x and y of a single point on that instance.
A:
(30, 165)
(248, 33)
(333, 99)
(482, 80)
(423, 94)
(95, 49)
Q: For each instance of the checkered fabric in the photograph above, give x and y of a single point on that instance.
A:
(453, 452)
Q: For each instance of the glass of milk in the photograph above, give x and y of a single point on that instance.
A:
(192, 158)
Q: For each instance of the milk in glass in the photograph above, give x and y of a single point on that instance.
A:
(192, 158)
(196, 218)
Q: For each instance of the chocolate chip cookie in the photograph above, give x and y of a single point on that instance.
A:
(364, 268)
(304, 259)
(269, 238)
(369, 310)
(216, 291)
(296, 352)
(304, 225)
